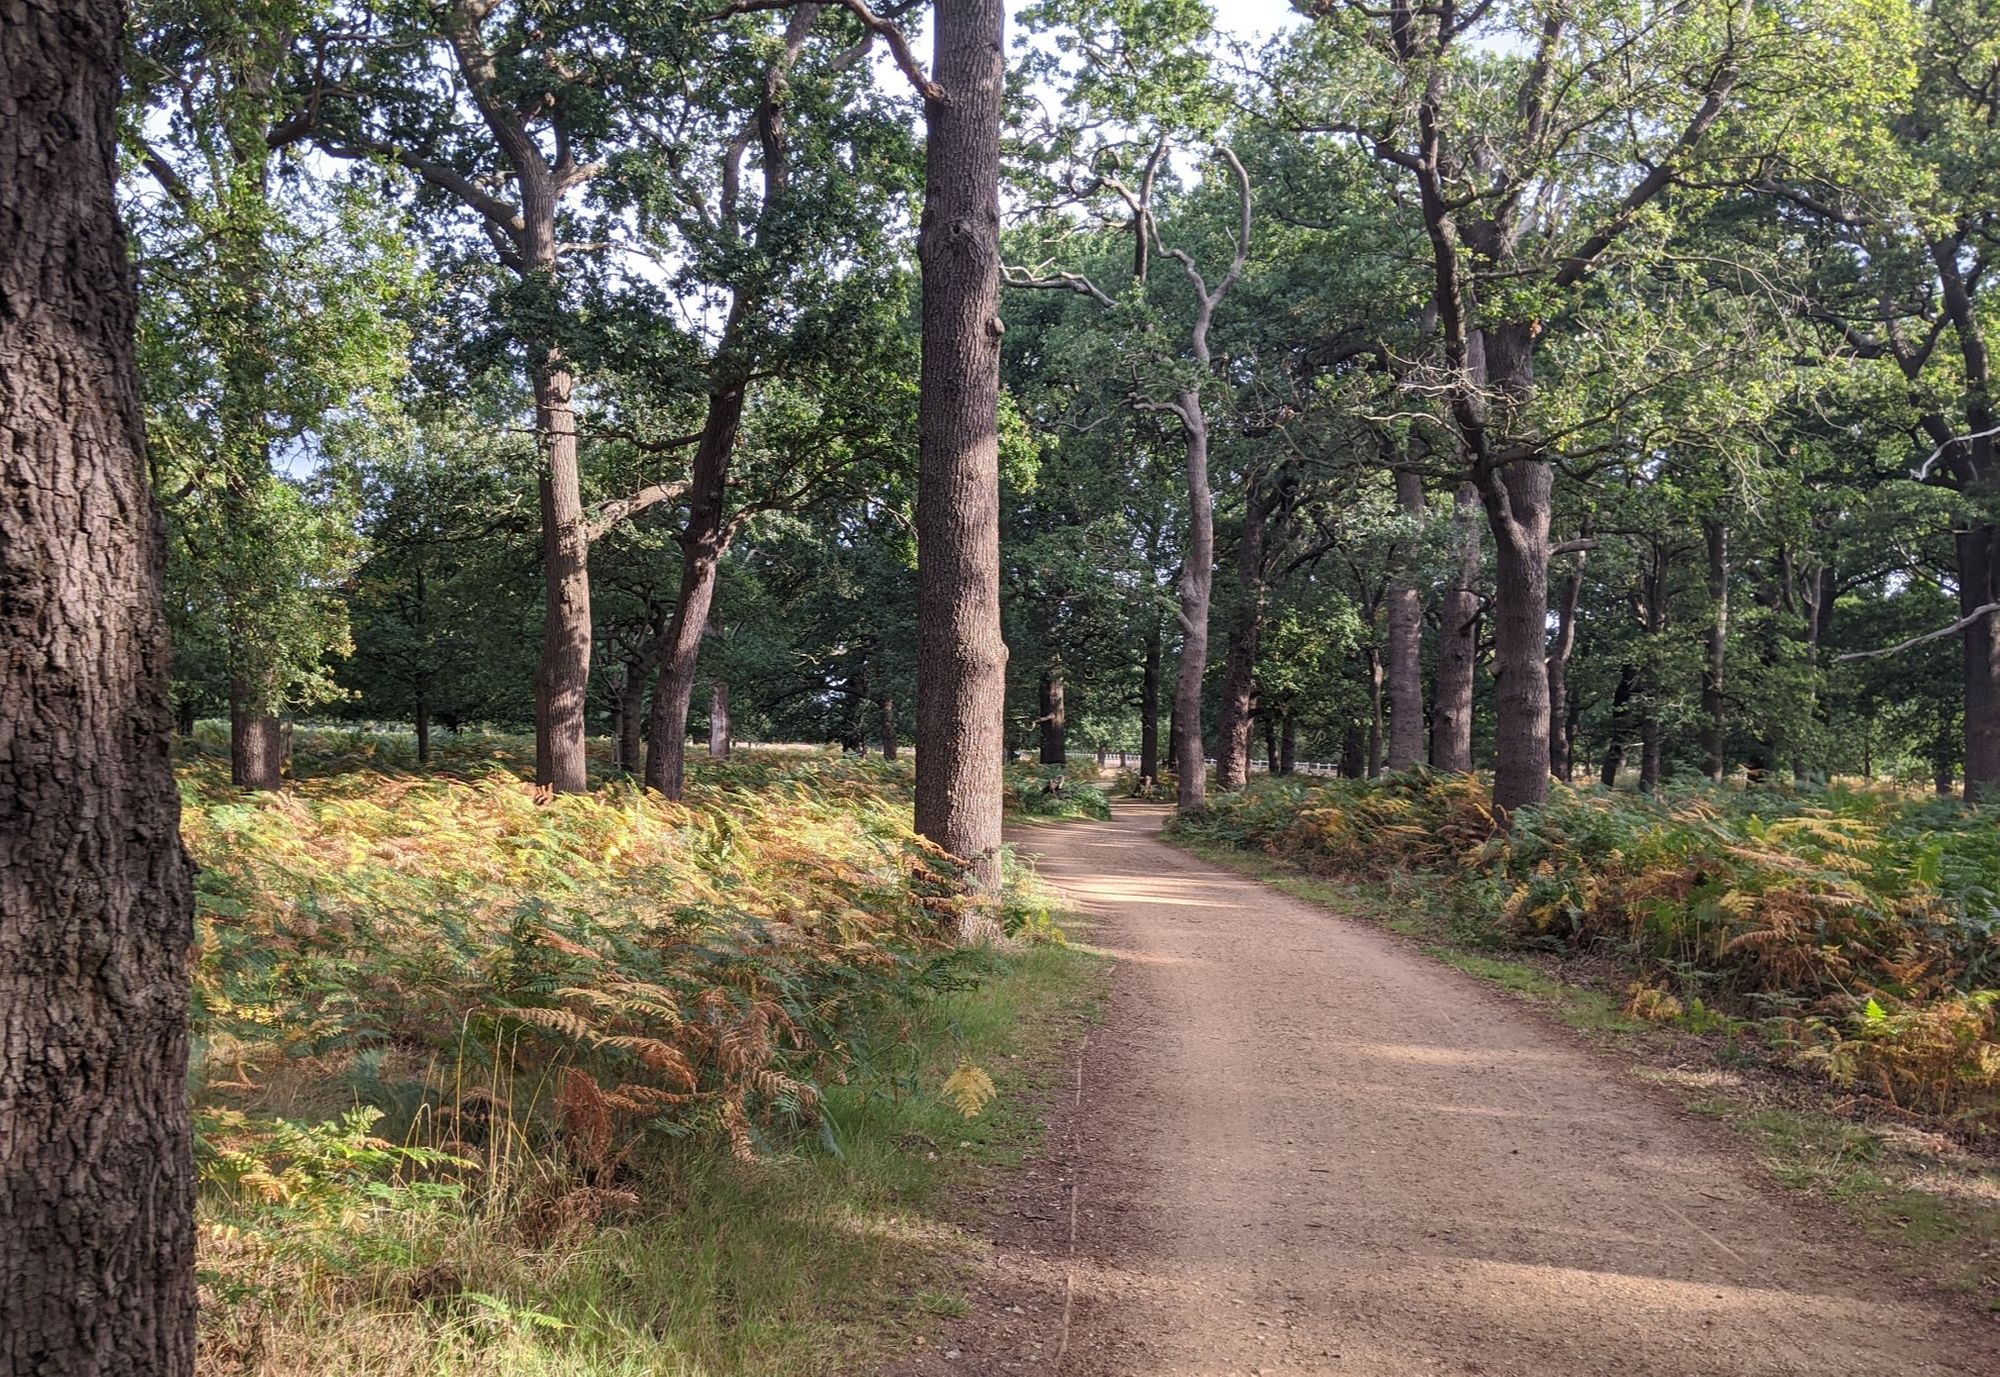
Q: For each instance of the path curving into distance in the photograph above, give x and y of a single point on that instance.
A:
(1302, 1147)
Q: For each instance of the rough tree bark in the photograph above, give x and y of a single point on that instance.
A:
(96, 1154)
(256, 743)
(961, 656)
(1615, 745)
(1406, 642)
(720, 742)
(1561, 749)
(1054, 720)
(1714, 707)
(1458, 643)
(1197, 580)
(1149, 708)
(1517, 496)
(1233, 720)
(703, 540)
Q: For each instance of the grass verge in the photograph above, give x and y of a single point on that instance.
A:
(1934, 1206)
(807, 1263)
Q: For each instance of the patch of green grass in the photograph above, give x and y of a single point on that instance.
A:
(808, 1263)
(1578, 1006)
(1948, 1213)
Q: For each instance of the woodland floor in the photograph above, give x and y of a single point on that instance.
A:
(1297, 1145)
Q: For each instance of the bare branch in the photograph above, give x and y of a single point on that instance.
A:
(1967, 620)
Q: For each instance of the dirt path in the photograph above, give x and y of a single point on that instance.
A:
(1302, 1148)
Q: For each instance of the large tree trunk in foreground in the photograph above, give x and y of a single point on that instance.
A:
(1054, 719)
(701, 557)
(1714, 707)
(1406, 644)
(1458, 644)
(1197, 579)
(96, 1152)
(961, 656)
(1232, 728)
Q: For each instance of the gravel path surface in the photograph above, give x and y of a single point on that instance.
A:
(1299, 1146)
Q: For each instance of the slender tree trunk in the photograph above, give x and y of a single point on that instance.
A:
(1941, 755)
(420, 713)
(1714, 707)
(1232, 728)
(889, 741)
(1374, 713)
(563, 677)
(1458, 644)
(720, 742)
(702, 543)
(1560, 746)
(631, 724)
(1270, 722)
(1406, 642)
(1054, 721)
(1149, 708)
(184, 718)
(96, 1148)
(961, 655)
(1288, 746)
(1979, 584)
(1614, 748)
(1197, 577)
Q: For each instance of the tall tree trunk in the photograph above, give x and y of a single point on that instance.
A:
(1941, 755)
(961, 655)
(1517, 499)
(1564, 646)
(1458, 643)
(1649, 747)
(1288, 745)
(1149, 708)
(720, 742)
(1374, 713)
(1197, 579)
(1353, 752)
(631, 724)
(420, 713)
(1979, 584)
(1232, 728)
(1270, 722)
(96, 1148)
(1054, 719)
(889, 740)
(563, 676)
(1614, 747)
(256, 743)
(1653, 612)
(1406, 641)
(702, 543)
(1714, 707)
